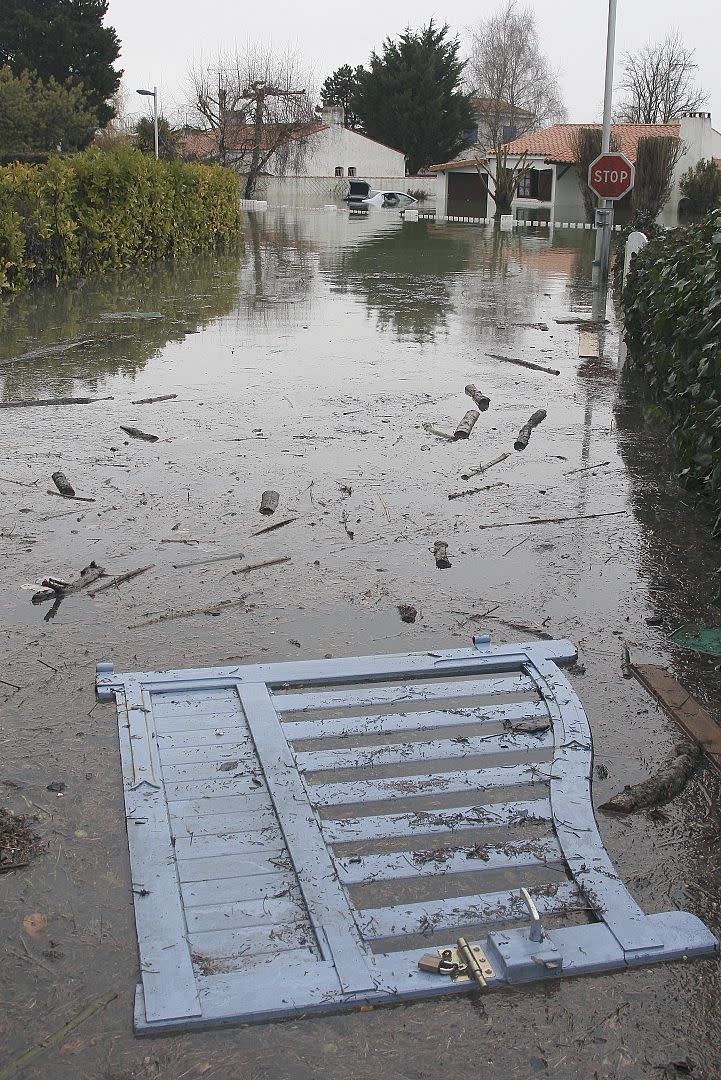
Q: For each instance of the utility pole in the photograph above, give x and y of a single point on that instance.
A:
(154, 95)
(604, 214)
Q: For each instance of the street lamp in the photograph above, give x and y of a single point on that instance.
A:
(154, 95)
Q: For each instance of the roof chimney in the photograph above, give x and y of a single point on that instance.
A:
(333, 115)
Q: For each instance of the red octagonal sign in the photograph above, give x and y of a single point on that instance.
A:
(611, 176)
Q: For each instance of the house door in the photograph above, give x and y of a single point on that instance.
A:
(467, 195)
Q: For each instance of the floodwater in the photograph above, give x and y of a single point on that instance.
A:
(309, 363)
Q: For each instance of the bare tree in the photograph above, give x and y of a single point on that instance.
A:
(519, 90)
(259, 106)
(659, 82)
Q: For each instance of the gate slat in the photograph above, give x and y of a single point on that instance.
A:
(416, 721)
(356, 869)
(450, 914)
(396, 695)
(479, 780)
(388, 826)
(437, 750)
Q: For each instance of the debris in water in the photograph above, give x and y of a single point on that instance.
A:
(440, 554)
(269, 502)
(59, 589)
(136, 433)
(552, 521)
(212, 609)
(476, 396)
(407, 612)
(660, 788)
(63, 485)
(121, 579)
(32, 402)
(437, 432)
(705, 639)
(18, 843)
(259, 565)
(523, 363)
(466, 425)
(484, 468)
(152, 400)
(274, 526)
(525, 433)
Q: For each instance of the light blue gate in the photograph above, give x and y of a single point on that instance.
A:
(302, 835)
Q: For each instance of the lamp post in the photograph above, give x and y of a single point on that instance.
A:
(154, 95)
(605, 224)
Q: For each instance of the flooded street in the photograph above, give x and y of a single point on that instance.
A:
(309, 364)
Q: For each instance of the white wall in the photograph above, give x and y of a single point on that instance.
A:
(338, 146)
(319, 190)
(700, 142)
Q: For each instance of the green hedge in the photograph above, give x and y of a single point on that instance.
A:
(100, 211)
(672, 307)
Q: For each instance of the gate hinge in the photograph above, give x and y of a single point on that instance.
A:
(463, 963)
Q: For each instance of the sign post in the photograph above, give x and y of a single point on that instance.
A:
(603, 233)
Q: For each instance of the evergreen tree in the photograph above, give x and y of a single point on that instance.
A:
(411, 98)
(64, 40)
(39, 117)
(341, 88)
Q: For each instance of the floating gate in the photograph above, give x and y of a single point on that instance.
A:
(302, 834)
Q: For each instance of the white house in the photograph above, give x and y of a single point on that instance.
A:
(550, 191)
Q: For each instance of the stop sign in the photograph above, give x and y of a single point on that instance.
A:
(611, 176)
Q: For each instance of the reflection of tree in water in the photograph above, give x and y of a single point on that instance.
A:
(405, 276)
(186, 294)
(280, 265)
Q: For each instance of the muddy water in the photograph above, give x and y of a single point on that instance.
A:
(309, 363)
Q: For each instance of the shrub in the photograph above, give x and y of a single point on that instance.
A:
(419, 194)
(99, 211)
(672, 305)
(700, 189)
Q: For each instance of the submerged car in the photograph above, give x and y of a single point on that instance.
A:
(362, 195)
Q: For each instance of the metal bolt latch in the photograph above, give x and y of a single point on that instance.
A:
(463, 963)
(536, 932)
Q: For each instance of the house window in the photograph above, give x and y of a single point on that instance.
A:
(510, 132)
(351, 170)
(524, 188)
(339, 170)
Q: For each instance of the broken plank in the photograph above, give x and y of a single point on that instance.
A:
(136, 433)
(588, 346)
(75, 498)
(678, 703)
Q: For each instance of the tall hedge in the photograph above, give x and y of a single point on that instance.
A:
(100, 211)
(672, 306)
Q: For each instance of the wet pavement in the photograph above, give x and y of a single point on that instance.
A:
(309, 363)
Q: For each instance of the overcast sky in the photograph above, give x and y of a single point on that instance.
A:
(161, 38)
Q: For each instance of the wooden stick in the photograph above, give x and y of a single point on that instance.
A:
(440, 554)
(90, 574)
(259, 565)
(581, 322)
(76, 498)
(485, 468)
(210, 559)
(212, 609)
(437, 432)
(121, 578)
(27, 404)
(136, 433)
(18, 1063)
(523, 363)
(466, 425)
(474, 491)
(274, 526)
(525, 433)
(476, 396)
(660, 788)
(150, 400)
(585, 468)
(553, 521)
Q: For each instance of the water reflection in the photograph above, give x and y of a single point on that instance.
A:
(120, 321)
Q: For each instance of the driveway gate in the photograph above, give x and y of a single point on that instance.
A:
(302, 835)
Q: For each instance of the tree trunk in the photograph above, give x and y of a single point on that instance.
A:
(254, 168)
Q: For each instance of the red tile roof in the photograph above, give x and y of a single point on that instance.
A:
(556, 143)
(484, 104)
(238, 139)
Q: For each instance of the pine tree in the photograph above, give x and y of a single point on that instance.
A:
(341, 89)
(64, 40)
(411, 98)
